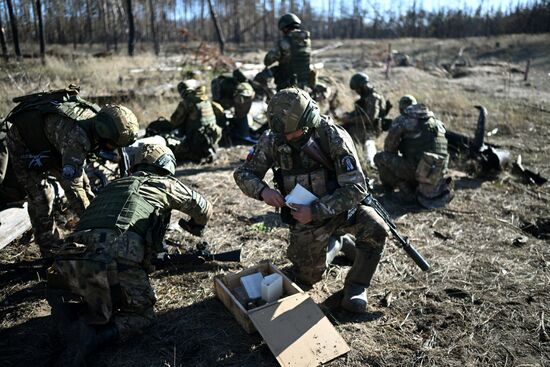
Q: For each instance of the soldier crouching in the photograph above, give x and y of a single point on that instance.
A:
(333, 174)
(105, 262)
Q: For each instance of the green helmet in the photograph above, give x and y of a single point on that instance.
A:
(358, 81)
(159, 156)
(117, 125)
(287, 20)
(292, 109)
(406, 101)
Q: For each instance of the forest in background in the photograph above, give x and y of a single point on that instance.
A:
(121, 24)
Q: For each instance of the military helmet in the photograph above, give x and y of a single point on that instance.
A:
(292, 109)
(244, 90)
(187, 86)
(287, 20)
(117, 124)
(156, 155)
(406, 101)
(358, 81)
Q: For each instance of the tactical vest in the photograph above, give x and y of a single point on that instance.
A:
(120, 207)
(300, 57)
(202, 114)
(297, 167)
(429, 138)
(28, 115)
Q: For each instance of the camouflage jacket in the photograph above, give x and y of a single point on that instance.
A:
(157, 192)
(368, 110)
(351, 186)
(194, 112)
(412, 137)
(74, 145)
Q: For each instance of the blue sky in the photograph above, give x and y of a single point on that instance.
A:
(384, 6)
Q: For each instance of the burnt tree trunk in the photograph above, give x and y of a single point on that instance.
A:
(40, 29)
(153, 28)
(89, 29)
(219, 32)
(237, 24)
(131, 29)
(15, 33)
(3, 41)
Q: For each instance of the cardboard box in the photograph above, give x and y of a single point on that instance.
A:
(295, 329)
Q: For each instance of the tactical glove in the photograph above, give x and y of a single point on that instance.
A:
(192, 227)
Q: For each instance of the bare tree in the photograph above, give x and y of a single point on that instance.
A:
(15, 33)
(3, 41)
(40, 29)
(131, 29)
(153, 27)
(219, 31)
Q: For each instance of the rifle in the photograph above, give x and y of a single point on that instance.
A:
(403, 242)
(195, 257)
(26, 265)
(313, 150)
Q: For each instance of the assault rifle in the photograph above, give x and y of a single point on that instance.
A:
(195, 257)
(403, 242)
(313, 150)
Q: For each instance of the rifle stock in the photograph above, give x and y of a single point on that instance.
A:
(403, 242)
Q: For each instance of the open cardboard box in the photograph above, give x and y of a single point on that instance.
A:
(294, 328)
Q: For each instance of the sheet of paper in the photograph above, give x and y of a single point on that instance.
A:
(300, 195)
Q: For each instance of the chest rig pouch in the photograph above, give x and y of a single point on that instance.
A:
(296, 167)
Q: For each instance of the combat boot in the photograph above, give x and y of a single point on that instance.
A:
(355, 298)
(359, 279)
(86, 339)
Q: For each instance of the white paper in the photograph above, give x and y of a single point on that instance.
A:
(252, 285)
(300, 195)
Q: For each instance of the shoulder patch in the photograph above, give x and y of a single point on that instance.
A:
(251, 154)
(348, 163)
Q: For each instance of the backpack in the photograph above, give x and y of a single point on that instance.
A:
(28, 115)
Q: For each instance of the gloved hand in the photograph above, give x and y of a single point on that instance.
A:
(192, 227)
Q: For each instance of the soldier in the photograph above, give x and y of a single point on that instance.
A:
(53, 133)
(234, 91)
(330, 172)
(196, 121)
(406, 101)
(106, 260)
(419, 172)
(293, 53)
(365, 122)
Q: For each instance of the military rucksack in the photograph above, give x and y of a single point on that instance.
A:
(28, 115)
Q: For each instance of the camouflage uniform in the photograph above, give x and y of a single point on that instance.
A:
(293, 53)
(107, 259)
(365, 122)
(338, 209)
(71, 144)
(196, 120)
(420, 138)
(230, 92)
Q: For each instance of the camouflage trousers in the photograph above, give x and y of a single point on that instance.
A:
(40, 193)
(308, 245)
(107, 273)
(394, 170)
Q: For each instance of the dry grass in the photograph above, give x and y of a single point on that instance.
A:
(484, 303)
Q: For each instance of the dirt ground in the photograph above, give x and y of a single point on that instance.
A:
(483, 303)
